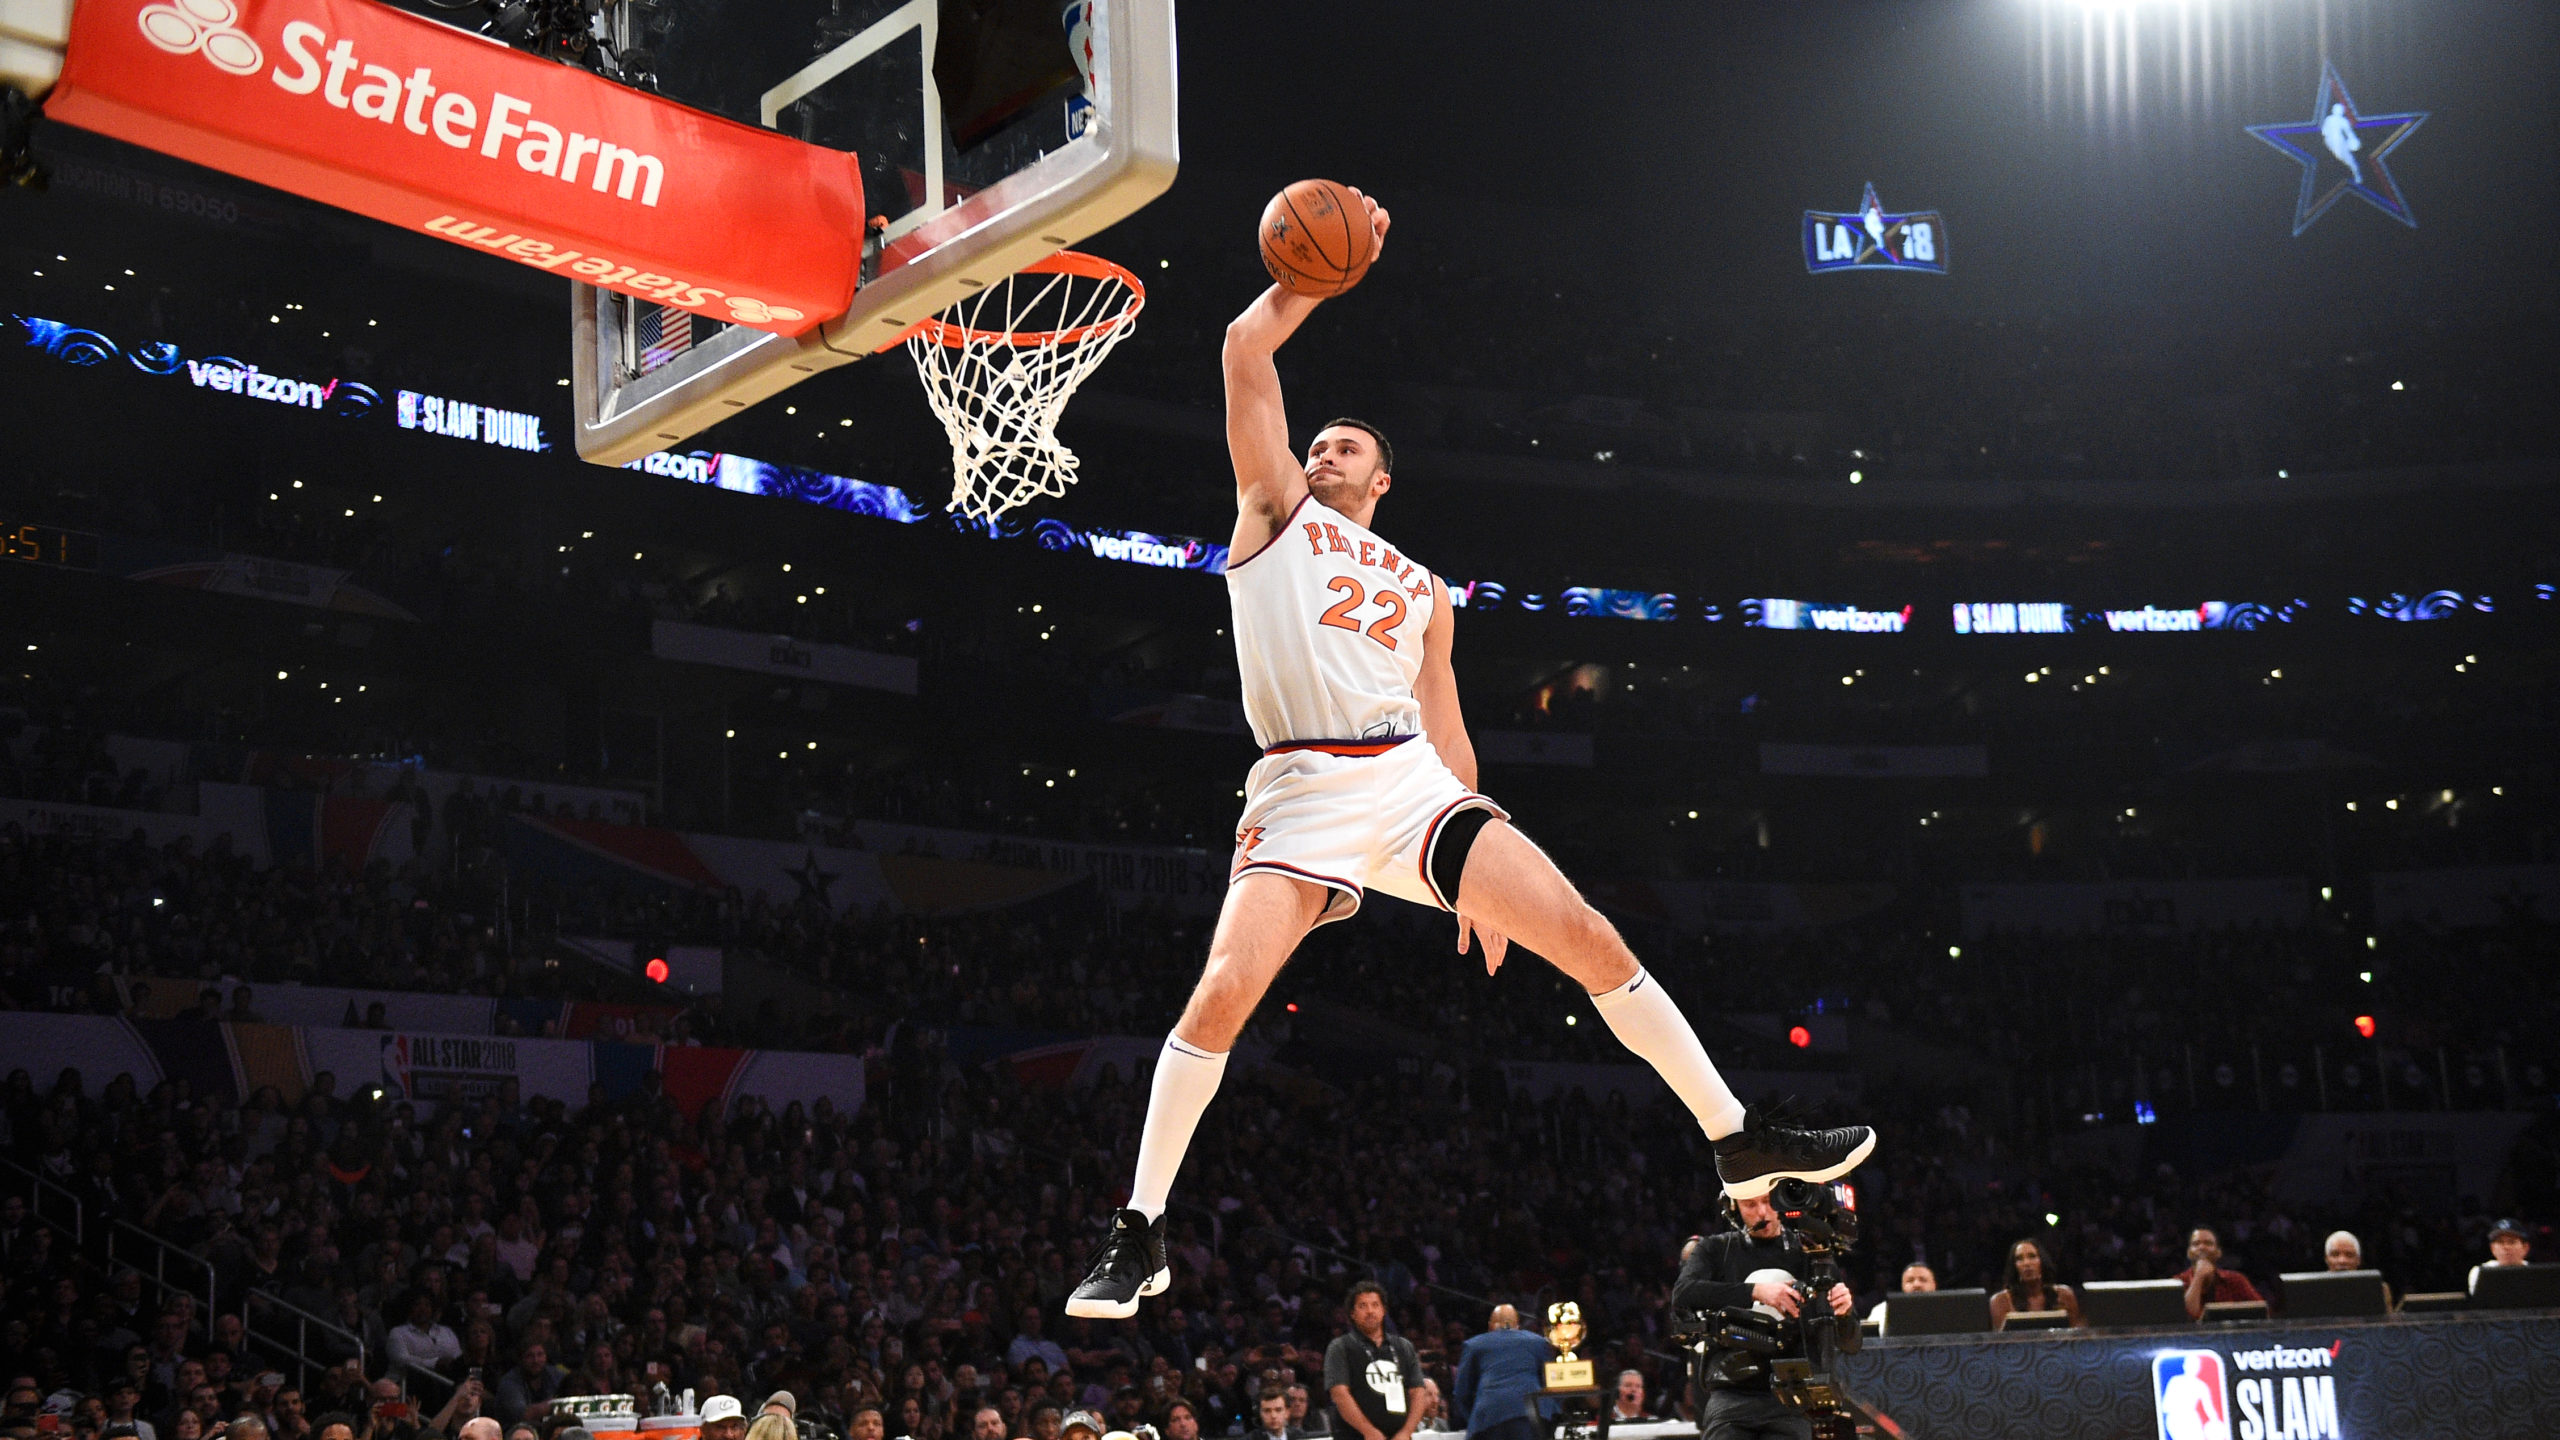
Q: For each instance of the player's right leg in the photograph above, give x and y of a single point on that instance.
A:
(1259, 927)
(1507, 882)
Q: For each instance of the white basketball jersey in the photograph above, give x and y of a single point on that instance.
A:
(1329, 622)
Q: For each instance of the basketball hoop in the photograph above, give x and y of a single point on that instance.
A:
(1000, 366)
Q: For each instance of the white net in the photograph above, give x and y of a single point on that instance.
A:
(1000, 366)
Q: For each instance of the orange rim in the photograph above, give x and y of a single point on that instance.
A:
(1065, 262)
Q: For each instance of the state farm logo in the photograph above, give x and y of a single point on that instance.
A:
(210, 28)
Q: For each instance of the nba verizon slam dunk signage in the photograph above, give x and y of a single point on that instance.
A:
(2407, 1378)
(435, 129)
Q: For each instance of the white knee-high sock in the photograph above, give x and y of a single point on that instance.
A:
(1645, 1020)
(1186, 1079)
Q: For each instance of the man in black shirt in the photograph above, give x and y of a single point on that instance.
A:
(1759, 1264)
(1375, 1378)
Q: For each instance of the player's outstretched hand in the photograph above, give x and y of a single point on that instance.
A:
(1378, 223)
(1496, 944)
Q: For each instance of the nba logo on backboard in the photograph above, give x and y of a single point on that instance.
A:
(1077, 17)
(2191, 1394)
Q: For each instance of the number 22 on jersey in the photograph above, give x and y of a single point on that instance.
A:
(1339, 614)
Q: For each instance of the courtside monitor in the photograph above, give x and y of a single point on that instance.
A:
(1939, 1312)
(2516, 1287)
(2334, 1294)
(2020, 1321)
(2134, 1302)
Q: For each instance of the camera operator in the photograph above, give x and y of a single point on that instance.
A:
(1761, 1264)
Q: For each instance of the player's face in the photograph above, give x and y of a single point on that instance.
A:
(1342, 467)
(1759, 1217)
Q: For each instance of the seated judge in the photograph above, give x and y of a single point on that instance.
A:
(2028, 1284)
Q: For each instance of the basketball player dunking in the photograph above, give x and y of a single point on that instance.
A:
(1367, 780)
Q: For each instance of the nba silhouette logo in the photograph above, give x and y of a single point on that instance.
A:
(2191, 1395)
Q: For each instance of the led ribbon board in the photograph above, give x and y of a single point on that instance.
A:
(1870, 238)
(436, 130)
(1772, 613)
(2052, 617)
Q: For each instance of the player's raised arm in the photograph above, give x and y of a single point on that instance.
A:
(1269, 476)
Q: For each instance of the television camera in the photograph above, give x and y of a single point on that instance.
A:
(1740, 1343)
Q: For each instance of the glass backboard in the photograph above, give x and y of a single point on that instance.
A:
(990, 134)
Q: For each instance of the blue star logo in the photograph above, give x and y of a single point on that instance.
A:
(2343, 153)
(814, 883)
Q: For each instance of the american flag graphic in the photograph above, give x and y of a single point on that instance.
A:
(664, 334)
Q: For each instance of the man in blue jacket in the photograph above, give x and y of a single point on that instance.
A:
(1497, 1373)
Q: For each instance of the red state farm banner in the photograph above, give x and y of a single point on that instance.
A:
(435, 129)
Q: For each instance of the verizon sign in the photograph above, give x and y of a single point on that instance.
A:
(438, 130)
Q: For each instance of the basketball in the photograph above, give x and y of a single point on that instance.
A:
(1316, 239)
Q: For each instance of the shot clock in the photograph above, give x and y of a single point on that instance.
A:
(47, 545)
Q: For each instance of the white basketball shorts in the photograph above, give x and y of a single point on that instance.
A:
(1352, 816)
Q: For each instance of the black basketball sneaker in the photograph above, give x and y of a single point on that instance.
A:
(1127, 1264)
(1760, 1154)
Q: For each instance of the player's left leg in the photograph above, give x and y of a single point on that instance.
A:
(1508, 883)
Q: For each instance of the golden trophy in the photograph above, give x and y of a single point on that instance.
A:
(1564, 1331)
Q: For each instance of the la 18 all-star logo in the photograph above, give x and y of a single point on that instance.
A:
(1873, 238)
(2344, 152)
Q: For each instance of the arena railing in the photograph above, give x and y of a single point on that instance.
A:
(40, 1191)
(120, 1244)
(266, 1319)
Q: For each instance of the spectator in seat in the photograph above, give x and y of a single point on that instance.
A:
(1029, 1343)
(2206, 1281)
(285, 1417)
(2029, 1285)
(123, 1395)
(866, 1424)
(1627, 1405)
(526, 1392)
(2508, 1245)
(1181, 1422)
(987, 1424)
(421, 1342)
(1432, 1412)
(1308, 1421)
(394, 1418)
(723, 1418)
(1272, 1418)
(1498, 1371)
